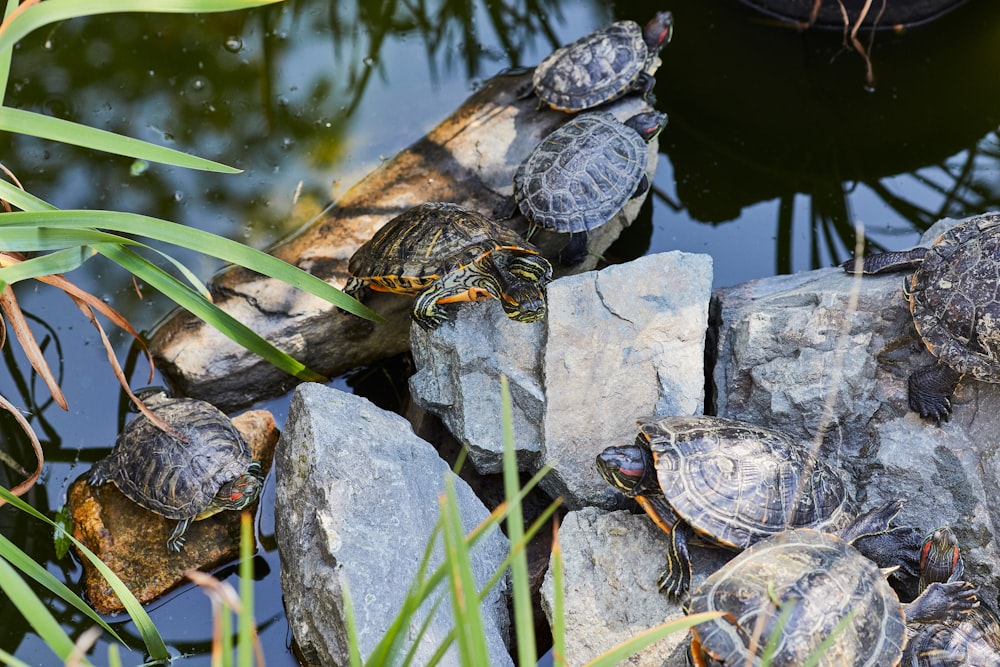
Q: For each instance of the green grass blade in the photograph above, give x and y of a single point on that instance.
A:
(26, 564)
(558, 602)
(524, 623)
(21, 199)
(194, 239)
(34, 611)
(462, 585)
(43, 239)
(155, 647)
(61, 261)
(824, 646)
(56, 129)
(229, 326)
(247, 625)
(8, 659)
(632, 646)
(5, 55)
(353, 650)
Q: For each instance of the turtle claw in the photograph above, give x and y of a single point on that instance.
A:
(944, 603)
(674, 582)
(930, 390)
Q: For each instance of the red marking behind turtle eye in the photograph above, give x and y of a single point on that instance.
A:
(954, 558)
(235, 495)
(923, 554)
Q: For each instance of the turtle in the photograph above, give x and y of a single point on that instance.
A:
(973, 640)
(444, 253)
(604, 65)
(803, 592)
(583, 173)
(188, 481)
(726, 483)
(954, 298)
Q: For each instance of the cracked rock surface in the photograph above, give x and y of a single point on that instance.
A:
(618, 344)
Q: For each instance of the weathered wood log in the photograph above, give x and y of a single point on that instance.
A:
(468, 159)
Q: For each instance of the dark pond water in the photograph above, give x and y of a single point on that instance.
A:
(775, 149)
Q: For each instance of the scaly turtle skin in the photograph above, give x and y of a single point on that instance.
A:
(444, 253)
(187, 481)
(583, 173)
(604, 65)
(804, 586)
(954, 296)
(730, 484)
(972, 641)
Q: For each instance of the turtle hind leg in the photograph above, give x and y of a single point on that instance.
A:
(887, 262)
(175, 542)
(575, 251)
(355, 289)
(675, 580)
(930, 391)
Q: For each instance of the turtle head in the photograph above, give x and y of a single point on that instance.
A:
(238, 493)
(658, 31)
(629, 469)
(648, 124)
(520, 287)
(940, 558)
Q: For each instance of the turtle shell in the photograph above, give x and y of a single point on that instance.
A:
(955, 298)
(801, 585)
(170, 477)
(582, 174)
(972, 642)
(428, 241)
(735, 483)
(596, 68)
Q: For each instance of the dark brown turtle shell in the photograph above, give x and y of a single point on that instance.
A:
(602, 66)
(581, 174)
(735, 483)
(954, 296)
(428, 241)
(176, 479)
(800, 585)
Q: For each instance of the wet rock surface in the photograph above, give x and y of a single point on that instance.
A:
(357, 500)
(132, 541)
(469, 159)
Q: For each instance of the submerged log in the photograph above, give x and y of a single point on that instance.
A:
(468, 159)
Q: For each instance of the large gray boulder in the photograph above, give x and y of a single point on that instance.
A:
(617, 344)
(825, 356)
(357, 501)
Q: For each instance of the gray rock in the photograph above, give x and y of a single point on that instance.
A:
(618, 344)
(611, 561)
(826, 356)
(459, 365)
(623, 343)
(357, 500)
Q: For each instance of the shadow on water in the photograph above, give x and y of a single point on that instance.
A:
(773, 150)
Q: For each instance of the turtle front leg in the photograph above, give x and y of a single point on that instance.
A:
(428, 309)
(575, 250)
(931, 389)
(675, 580)
(942, 603)
(176, 540)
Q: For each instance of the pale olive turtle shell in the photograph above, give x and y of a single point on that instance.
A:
(735, 483)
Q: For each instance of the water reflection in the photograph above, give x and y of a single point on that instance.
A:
(762, 113)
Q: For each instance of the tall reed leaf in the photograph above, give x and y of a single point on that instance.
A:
(186, 237)
(68, 132)
(524, 622)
